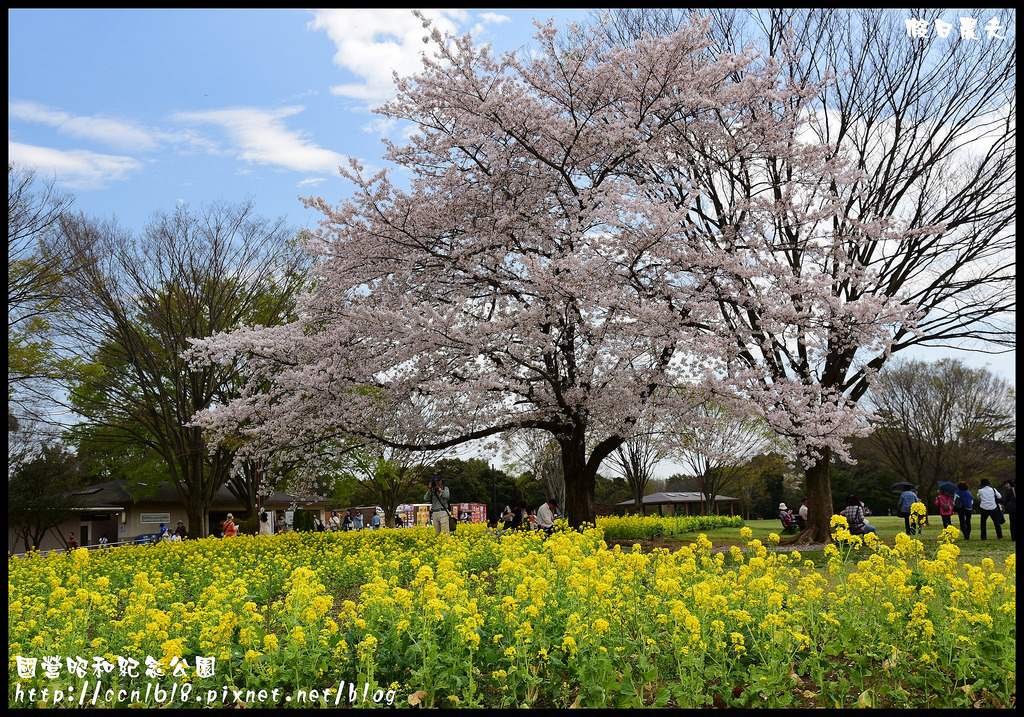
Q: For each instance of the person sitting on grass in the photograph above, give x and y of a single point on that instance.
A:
(855, 518)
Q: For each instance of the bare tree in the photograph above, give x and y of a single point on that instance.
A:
(141, 299)
(931, 125)
(941, 421)
(716, 445)
(635, 461)
(35, 292)
(538, 454)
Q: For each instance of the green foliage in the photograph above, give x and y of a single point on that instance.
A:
(646, 527)
(143, 300)
(302, 520)
(868, 479)
(610, 491)
(39, 494)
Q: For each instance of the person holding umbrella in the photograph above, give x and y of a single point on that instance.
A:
(963, 503)
(907, 499)
(944, 501)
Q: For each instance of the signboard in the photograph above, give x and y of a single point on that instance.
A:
(155, 518)
(470, 512)
(422, 515)
(413, 514)
(418, 514)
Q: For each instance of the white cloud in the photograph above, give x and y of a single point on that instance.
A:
(493, 18)
(76, 169)
(119, 134)
(488, 18)
(374, 43)
(261, 136)
(381, 126)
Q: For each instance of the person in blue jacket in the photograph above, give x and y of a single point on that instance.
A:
(907, 499)
(963, 504)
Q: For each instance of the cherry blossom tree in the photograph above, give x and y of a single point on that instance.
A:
(546, 269)
(930, 122)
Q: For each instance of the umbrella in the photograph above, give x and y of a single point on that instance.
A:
(902, 486)
(947, 486)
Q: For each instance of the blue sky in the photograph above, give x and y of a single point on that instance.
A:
(134, 111)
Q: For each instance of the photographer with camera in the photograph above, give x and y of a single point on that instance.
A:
(440, 508)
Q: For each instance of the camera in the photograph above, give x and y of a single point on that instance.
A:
(435, 482)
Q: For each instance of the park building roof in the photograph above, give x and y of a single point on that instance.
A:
(671, 497)
(121, 493)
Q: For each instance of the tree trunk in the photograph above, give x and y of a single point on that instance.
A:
(580, 475)
(196, 527)
(819, 504)
(580, 479)
(389, 503)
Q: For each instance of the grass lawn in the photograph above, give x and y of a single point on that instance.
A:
(971, 551)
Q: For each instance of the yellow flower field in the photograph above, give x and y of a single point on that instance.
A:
(401, 617)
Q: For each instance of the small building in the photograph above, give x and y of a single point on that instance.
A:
(109, 510)
(680, 503)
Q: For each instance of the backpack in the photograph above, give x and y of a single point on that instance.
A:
(958, 502)
(945, 502)
(855, 518)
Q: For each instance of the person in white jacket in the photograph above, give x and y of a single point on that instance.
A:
(988, 507)
(546, 515)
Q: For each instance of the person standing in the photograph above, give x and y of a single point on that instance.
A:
(280, 526)
(334, 522)
(1010, 505)
(546, 515)
(945, 503)
(103, 542)
(907, 500)
(230, 530)
(357, 523)
(265, 527)
(72, 541)
(438, 496)
(963, 504)
(375, 521)
(181, 531)
(514, 519)
(988, 507)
